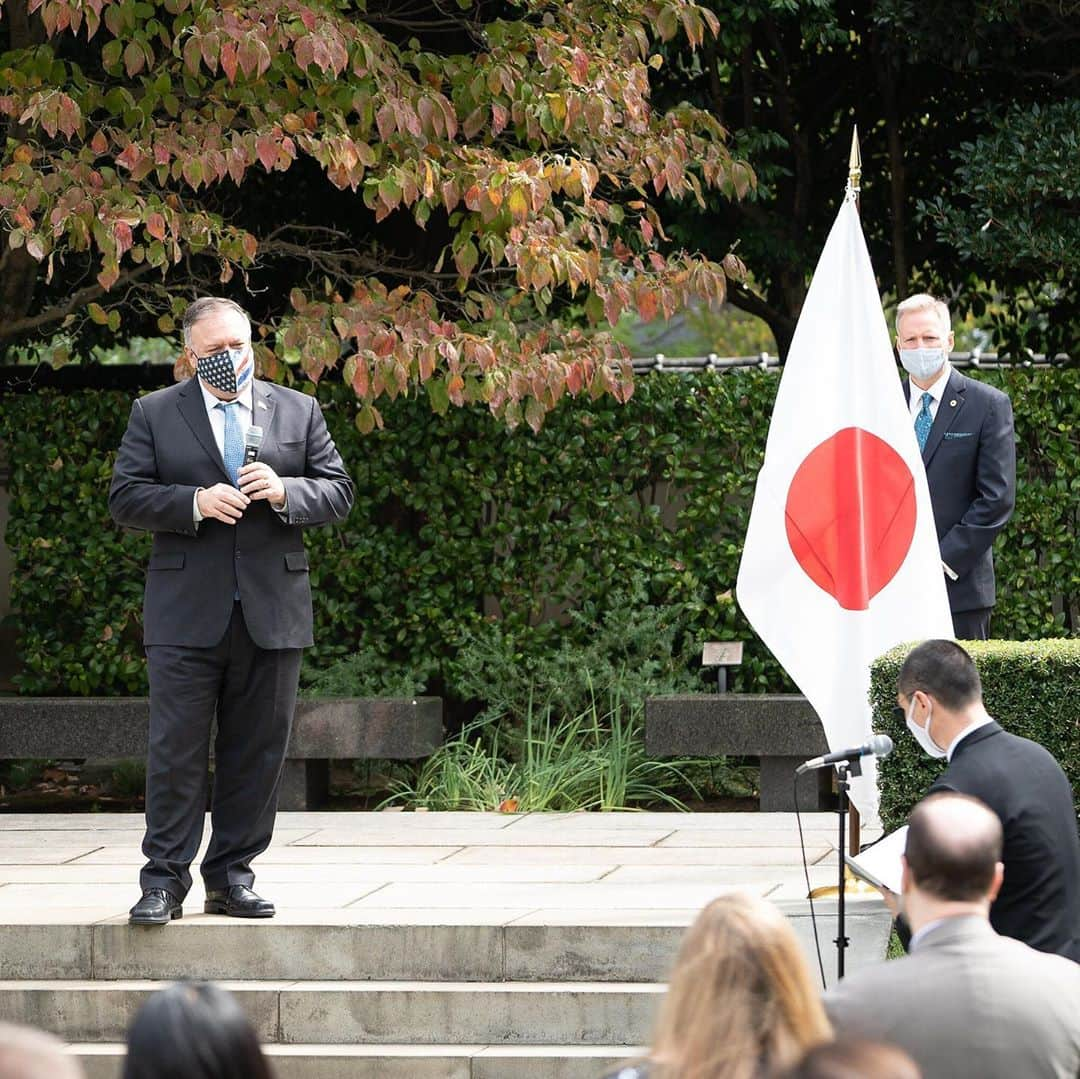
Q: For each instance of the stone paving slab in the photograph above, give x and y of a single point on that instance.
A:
(359, 872)
(428, 868)
(659, 857)
(485, 837)
(291, 855)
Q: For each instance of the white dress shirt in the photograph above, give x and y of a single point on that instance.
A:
(964, 733)
(217, 415)
(217, 426)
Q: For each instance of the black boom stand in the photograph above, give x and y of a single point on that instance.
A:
(844, 770)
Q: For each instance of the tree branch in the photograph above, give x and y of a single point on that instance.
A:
(60, 311)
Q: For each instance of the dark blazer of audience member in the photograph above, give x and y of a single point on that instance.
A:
(966, 1001)
(940, 695)
(193, 1030)
(741, 1001)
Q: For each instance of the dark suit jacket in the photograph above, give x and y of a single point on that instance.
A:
(168, 451)
(1039, 901)
(970, 460)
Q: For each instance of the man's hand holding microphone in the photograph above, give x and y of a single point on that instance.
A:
(257, 481)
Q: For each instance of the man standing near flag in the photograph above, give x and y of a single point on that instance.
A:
(965, 433)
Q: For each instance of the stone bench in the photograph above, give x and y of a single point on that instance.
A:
(325, 729)
(782, 730)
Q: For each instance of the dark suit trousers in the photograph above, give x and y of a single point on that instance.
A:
(252, 691)
(972, 625)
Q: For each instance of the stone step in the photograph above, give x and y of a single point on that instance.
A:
(605, 946)
(507, 1013)
(105, 1061)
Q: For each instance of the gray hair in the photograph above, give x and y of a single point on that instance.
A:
(207, 305)
(923, 301)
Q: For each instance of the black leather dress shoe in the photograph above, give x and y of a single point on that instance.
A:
(238, 901)
(157, 907)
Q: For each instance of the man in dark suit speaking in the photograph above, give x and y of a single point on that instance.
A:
(227, 607)
(939, 693)
(965, 432)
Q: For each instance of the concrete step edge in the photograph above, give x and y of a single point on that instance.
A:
(281, 985)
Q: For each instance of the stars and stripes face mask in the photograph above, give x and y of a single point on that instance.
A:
(228, 370)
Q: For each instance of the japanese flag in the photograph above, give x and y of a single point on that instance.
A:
(841, 559)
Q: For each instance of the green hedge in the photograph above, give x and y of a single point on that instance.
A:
(1030, 688)
(462, 527)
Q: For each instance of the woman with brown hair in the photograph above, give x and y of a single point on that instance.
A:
(741, 1003)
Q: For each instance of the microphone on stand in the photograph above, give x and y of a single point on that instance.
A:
(253, 437)
(880, 745)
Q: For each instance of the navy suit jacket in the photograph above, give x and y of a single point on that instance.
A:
(970, 460)
(1039, 901)
(168, 451)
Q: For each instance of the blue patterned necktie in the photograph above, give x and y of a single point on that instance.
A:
(234, 441)
(924, 421)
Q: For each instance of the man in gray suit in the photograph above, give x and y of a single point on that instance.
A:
(965, 1002)
(227, 607)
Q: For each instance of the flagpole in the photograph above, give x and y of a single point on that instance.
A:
(854, 179)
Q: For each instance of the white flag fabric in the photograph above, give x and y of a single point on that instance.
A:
(841, 560)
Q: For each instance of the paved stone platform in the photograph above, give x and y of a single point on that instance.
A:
(484, 945)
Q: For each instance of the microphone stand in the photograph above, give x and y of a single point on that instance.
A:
(844, 770)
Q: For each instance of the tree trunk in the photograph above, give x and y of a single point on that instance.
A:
(887, 76)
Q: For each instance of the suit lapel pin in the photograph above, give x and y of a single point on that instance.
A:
(952, 403)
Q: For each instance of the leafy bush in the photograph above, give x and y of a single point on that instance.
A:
(593, 760)
(1030, 688)
(363, 674)
(466, 532)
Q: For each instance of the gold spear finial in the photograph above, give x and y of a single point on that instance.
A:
(855, 161)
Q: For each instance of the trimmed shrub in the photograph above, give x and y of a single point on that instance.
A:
(464, 530)
(1030, 688)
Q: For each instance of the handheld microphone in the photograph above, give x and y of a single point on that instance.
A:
(880, 745)
(253, 437)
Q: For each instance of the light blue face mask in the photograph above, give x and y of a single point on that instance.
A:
(922, 363)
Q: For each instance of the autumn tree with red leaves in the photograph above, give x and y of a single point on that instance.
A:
(459, 196)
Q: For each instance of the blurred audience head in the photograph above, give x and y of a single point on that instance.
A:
(26, 1053)
(193, 1030)
(741, 1001)
(855, 1060)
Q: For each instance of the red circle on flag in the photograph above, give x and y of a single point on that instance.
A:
(850, 516)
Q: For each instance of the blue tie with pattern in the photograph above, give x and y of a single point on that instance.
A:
(924, 421)
(234, 441)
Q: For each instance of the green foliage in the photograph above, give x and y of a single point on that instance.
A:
(18, 774)
(1029, 687)
(424, 192)
(1011, 214)
(466, 536)
(962, 106)
(593, 760)
(363, 674)
(76, 587)
(630, 651)
(128, 779)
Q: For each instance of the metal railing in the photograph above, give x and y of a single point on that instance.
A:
(766, 361)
